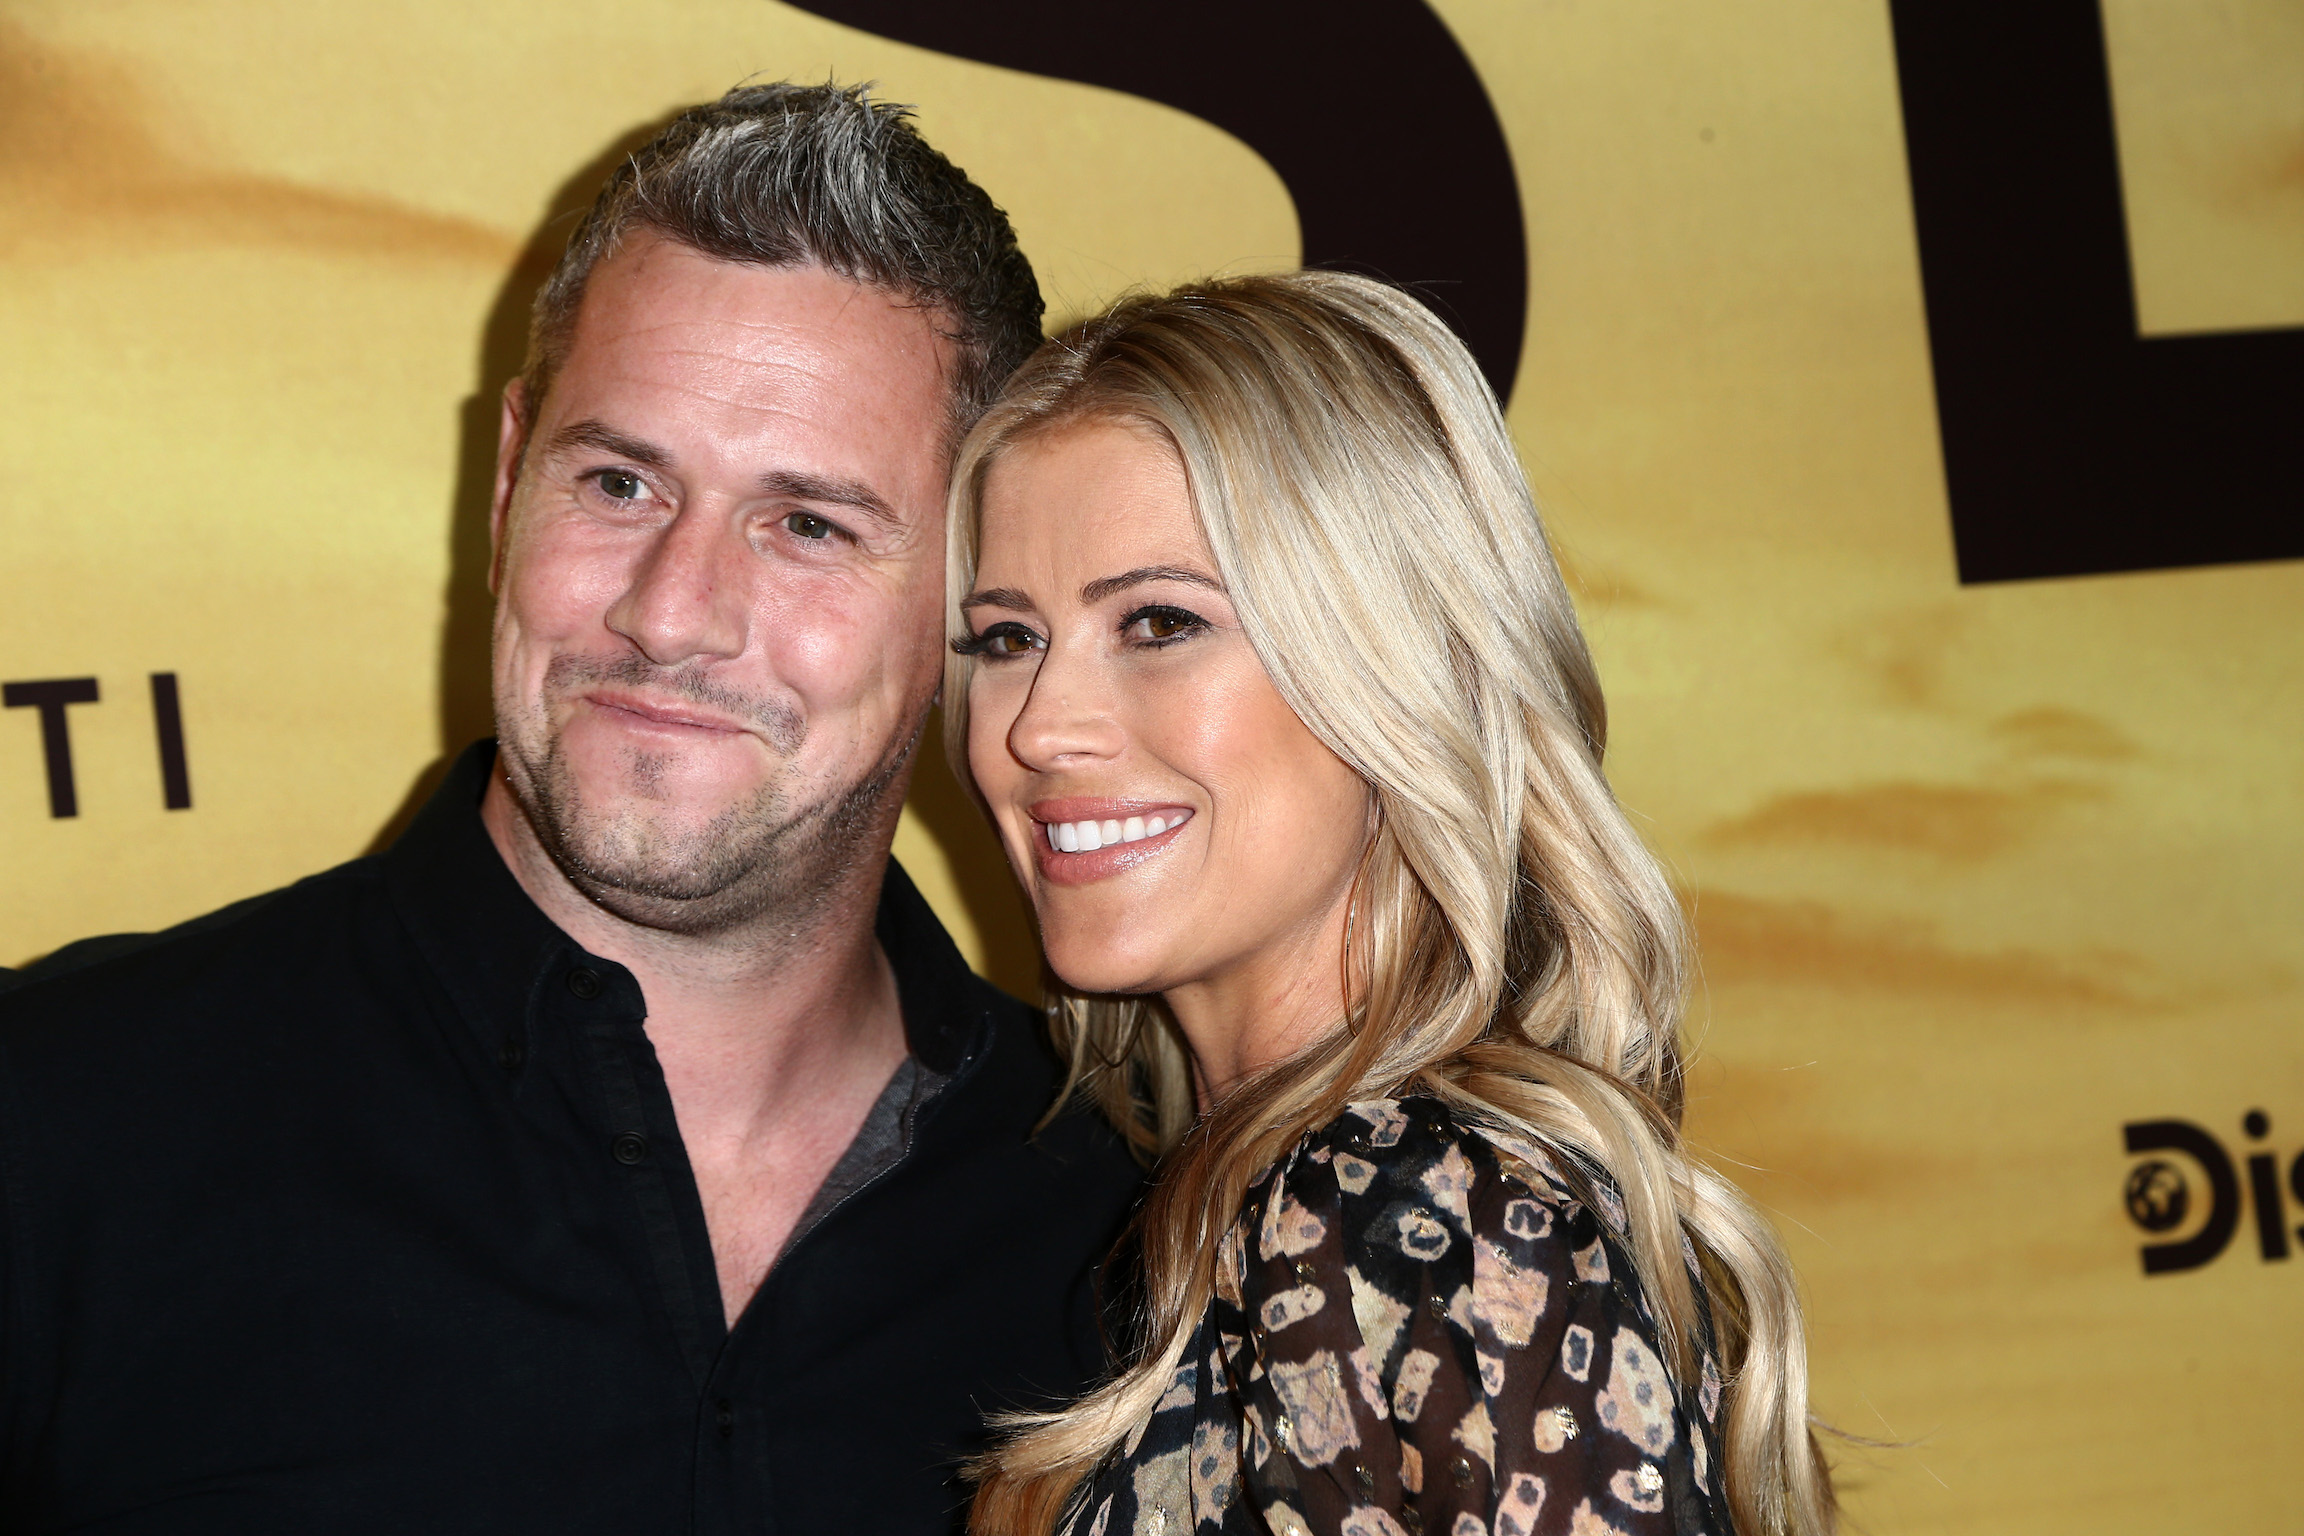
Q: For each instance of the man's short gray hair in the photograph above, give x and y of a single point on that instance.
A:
(793, 175)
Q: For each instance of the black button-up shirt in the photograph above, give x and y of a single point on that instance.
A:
(361, 1207)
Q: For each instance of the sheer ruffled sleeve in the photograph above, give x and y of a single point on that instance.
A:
(1425, 1334)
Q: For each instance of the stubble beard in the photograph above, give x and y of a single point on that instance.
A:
(776, 858)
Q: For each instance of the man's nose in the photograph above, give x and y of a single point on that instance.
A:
(1070, 716)
(687, 596)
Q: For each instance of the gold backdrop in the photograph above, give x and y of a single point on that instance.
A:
(1983, 874)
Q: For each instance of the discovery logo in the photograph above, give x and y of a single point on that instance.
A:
(2162, 1198)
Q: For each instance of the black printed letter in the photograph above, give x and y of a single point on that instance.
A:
(50, 697)
(2223, 1192)
(168, 720)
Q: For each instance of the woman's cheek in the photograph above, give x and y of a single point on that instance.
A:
(988, 726)
(990, 718)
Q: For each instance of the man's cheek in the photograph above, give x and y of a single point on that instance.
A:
(565, 573)
(827, 663)
(835, 635)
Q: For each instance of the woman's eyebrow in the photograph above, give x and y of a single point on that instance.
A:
(997, 597)
(1104, 586)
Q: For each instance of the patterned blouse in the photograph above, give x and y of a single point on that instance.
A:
(1420, 1328)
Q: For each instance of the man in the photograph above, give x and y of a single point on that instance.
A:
(628, 1150)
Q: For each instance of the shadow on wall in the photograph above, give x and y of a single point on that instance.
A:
(1011, 951)
(466, 711)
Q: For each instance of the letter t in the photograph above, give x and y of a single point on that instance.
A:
(50, 698)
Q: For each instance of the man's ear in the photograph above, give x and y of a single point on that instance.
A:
(511, 445)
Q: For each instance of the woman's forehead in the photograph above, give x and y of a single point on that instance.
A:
(1096, 494)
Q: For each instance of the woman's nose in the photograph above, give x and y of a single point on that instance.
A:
(1069, 716)
(686, 600)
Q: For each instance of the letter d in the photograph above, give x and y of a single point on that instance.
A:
(2223, 1192)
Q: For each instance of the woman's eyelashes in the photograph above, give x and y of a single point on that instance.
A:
(1150, 628)
(1156, 625)
(998, 642)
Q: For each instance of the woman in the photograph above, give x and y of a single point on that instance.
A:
(1267, 676)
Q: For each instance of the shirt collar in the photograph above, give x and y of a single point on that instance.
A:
(485, 940)
(488, 943)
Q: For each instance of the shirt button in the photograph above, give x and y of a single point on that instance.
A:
(584, 983)
(1463, 1472)
(726, 1418)
(510, 1055)
(628, 1148)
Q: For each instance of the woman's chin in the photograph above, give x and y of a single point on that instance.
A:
(1087, 967)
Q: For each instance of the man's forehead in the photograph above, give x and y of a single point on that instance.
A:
(652, 284)
(673, 343)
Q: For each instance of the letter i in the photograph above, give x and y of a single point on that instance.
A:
(2264, 1187)
(168, 722)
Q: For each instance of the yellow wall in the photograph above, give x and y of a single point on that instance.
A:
(1982, 873)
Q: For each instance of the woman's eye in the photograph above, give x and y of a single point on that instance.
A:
(1003, 640)
(1159, 625)
(621, 485)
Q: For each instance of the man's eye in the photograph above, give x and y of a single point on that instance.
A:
(809, 526)
(621, 485)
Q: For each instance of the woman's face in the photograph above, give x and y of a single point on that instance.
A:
(1179, 829)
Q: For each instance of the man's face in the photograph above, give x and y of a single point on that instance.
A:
(719, 580)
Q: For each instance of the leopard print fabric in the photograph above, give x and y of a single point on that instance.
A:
(1419, 1329)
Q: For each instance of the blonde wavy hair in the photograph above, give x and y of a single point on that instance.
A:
(1517, 951)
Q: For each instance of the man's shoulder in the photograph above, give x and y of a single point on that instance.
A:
(1009, 1096)
(1020, 1065)
(237, 945)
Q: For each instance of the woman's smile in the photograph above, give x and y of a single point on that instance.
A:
(1082, 839)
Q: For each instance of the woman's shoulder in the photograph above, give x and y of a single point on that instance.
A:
(1413, 1192)
(1427, 1153)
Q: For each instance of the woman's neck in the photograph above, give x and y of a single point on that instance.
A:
(1263, 1010)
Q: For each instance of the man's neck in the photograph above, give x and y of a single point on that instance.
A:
(752, 1024)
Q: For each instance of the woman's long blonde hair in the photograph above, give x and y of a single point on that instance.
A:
(1523, 956)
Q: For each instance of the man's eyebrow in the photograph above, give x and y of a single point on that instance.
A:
(603, 438)
(1104, 586)
(997, 597)
(800, 484)
(831, 490)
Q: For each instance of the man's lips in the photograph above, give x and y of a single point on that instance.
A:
(665, 713)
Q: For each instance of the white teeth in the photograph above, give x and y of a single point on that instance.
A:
(1088, 836)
